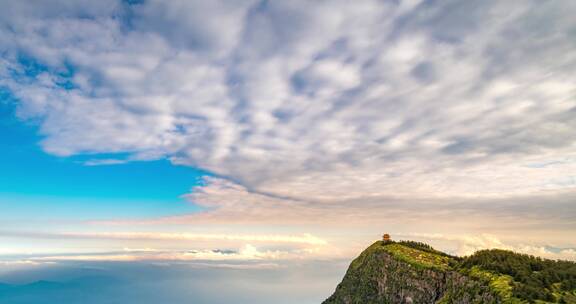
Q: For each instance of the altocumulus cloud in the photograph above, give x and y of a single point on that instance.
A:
(309, 103)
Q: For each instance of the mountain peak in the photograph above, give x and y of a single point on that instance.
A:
(413, 272)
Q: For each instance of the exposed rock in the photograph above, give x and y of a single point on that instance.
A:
(377, 276)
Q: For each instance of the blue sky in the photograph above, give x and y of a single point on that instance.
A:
(35, 184)
(252, 134)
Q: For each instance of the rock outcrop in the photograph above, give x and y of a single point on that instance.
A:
(379, 275)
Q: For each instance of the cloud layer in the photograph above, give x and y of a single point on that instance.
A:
(178, 283)
(311, 107)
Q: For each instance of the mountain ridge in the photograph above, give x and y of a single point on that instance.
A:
(413, 272)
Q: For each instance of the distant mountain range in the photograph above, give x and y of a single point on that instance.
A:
(413, 272)
(80, 290)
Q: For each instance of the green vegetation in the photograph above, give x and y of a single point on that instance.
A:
(389, 272)
(422, 247)
(531, 278)
(421, 258)
(501, 284)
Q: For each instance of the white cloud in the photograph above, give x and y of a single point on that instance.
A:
(104, 162)
(245, 253)
(306, 239)
(162, 246)
(308, 103)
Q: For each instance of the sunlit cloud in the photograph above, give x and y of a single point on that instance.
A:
(246, 253)
(302, 239)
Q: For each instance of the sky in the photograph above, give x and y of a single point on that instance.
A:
(261, 145)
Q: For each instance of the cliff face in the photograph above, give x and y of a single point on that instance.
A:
(392, 273)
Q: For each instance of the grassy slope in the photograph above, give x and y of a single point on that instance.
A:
(501, 284)
(417, 257)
